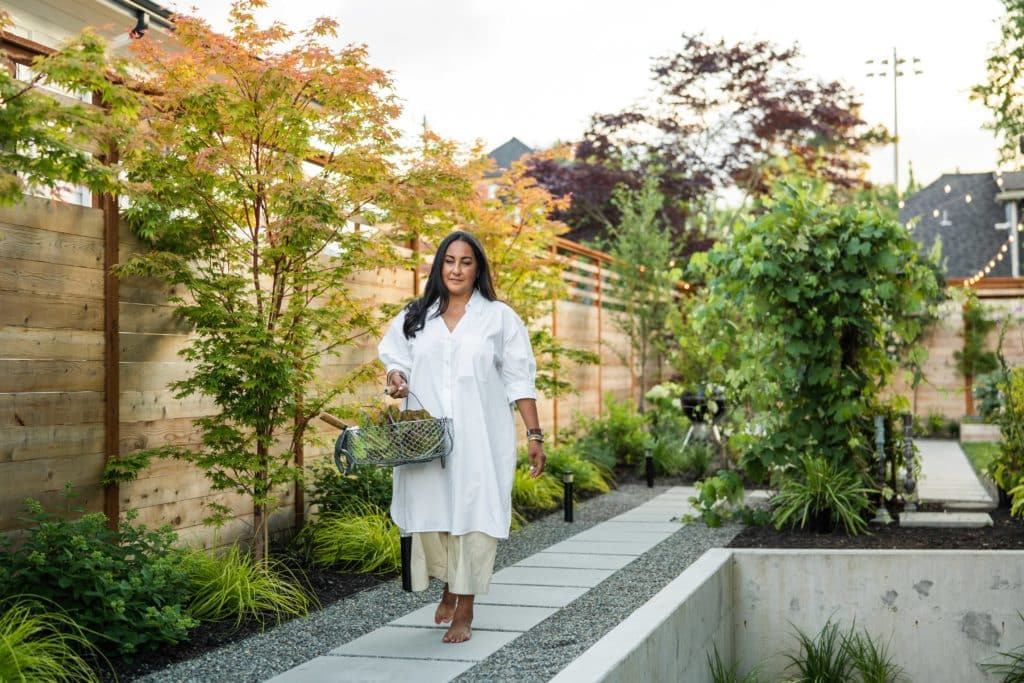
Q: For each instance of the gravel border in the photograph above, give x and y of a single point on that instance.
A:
(537, 655)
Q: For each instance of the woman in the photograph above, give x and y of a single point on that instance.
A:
(464, 355)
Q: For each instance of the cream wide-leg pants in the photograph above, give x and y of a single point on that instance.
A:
(465, 563)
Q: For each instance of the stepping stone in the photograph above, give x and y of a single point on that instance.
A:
(611, 532)
(548, 576)
(625, 525)
(630, 548)
(338, 669)
(530, 596)
(424, 643)
(946, 520)
(575, 561)
(485, 617)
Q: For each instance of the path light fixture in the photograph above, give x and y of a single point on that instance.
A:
(649, 467)
(882, 515)
(567, 481)
(908, 458)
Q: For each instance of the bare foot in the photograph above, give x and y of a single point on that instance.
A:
(446, 608)
(462, 620)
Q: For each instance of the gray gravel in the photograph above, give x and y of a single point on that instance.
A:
(536, 656)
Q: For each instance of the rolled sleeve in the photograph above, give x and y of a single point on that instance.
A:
(394, 350)
(518, 367)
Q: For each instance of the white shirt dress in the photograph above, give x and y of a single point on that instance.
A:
(472, 375)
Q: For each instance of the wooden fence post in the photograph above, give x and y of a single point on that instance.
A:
(111, 347)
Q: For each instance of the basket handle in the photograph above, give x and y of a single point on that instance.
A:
(333, 421)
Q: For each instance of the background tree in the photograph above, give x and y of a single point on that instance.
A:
(829, 289)
(262, 149)
(974, 359)
(44, 141)
(720, 116)
(1000, 92)
(644, 277)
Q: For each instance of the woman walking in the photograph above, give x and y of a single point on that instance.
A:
(464, 355)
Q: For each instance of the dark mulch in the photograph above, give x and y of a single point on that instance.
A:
(1007, 533)
(328, 587)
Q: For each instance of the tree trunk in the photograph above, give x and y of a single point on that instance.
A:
(969, 394)
(260, 516)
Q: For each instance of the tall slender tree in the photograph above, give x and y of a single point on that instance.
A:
(267, 157)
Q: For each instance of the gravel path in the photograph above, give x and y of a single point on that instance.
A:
(536, 656)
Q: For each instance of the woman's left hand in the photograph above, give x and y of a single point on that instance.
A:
(535, 451)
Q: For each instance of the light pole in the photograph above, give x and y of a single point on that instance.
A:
(897, 63)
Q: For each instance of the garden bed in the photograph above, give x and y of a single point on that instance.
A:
(1007, 533)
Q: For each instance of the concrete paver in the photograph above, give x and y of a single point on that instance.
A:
(339, 669)
(551, 576)
(485, 617)
(530, 596)
(425, 643)
(645, 527)
(575, 561)
(947, 476)
(609, 532)
(946, 520)
(631, 548)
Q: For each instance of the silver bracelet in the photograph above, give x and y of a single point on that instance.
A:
(539, 438)
(387, 379)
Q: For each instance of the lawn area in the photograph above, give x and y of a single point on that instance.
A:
(981, 453)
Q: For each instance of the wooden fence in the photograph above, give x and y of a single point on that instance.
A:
(943, 392)
(57, 311)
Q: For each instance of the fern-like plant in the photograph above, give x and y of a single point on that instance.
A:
(233, 586)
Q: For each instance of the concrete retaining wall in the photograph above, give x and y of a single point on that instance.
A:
(666, 639)
(941, 613)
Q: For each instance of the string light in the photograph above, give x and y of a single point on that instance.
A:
(948, 189)
(967, 199)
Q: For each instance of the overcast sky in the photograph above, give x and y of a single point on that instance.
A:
(538, 69)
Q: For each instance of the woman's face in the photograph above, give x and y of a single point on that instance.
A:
(459, 269)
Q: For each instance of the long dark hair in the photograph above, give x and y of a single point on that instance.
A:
(435, 290)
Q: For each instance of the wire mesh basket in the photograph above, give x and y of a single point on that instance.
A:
(392, 445)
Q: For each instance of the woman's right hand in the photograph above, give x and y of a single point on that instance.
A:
(398, 386)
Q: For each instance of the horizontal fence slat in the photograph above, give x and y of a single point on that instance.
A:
(46, 246)
(50, 441)
(45, 214)
(28, 409)
(48, 279)
(21, 309)
(43, 344)
(18, 376)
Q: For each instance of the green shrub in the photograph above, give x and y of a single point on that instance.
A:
(717, 496)
(334, 491)
(697, 458)
(724, 673)
(588, 477)
(616, 438)
(38, 643)
(360, 537)
(987, 395)
(538, 494)
(126, 588)
(1008, 468)
(821, 493)
(871, 660)
(822, 659)
(233, 586)
(836, 657)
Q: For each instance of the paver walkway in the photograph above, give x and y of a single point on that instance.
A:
(948, 478)
(521, 596)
